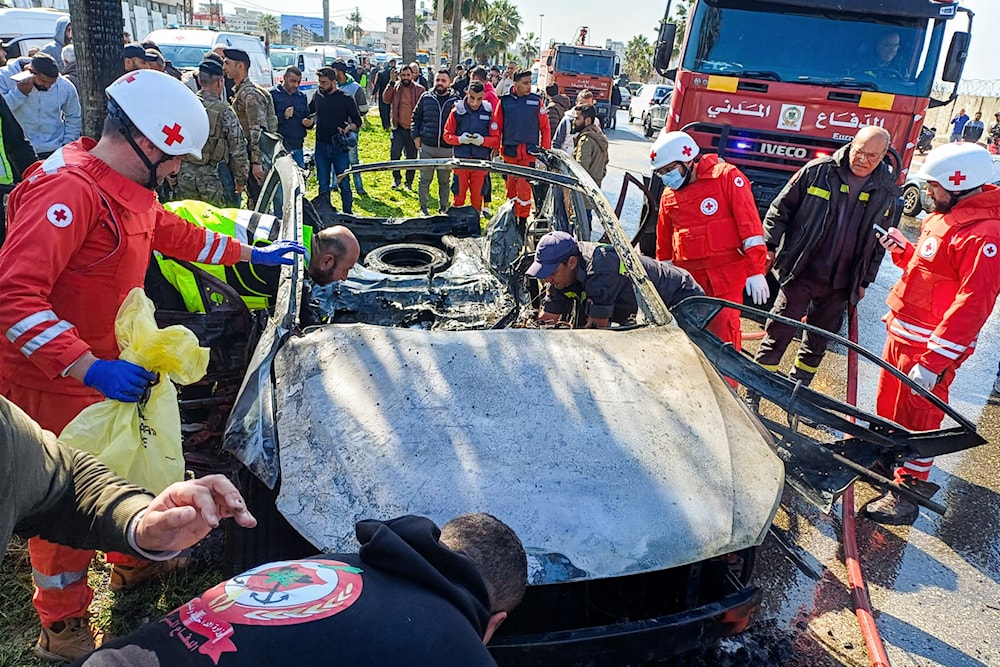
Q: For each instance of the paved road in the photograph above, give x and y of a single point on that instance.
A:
(935, 585)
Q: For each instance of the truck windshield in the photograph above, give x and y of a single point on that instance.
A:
(592, 64)
(847, 51)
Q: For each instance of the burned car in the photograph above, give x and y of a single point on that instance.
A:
(639, 482)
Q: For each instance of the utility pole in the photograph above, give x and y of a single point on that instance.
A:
(326, 20)
(541, 44)
(439, 39)
(456, 34)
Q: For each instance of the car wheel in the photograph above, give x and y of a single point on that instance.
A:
(273, 539)
(406, 259)
(911, 201)
(647, 126)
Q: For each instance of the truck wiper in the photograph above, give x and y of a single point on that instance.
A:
(847, 83)
(757, 74)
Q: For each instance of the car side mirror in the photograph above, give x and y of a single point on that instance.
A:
(958, 51)
(664, 46)
(548, 61)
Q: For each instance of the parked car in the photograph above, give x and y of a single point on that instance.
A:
(648, 95)
(656, 116)
(626, 97)
(917, 199)
(23, 29)
(634, 87)
(640, 484)
(185, 48)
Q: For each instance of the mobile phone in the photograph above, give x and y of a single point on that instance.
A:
(878, 228)
(21, 76)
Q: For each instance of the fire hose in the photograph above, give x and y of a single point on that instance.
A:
(855, 578)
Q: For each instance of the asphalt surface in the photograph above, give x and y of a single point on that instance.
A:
(935, 586)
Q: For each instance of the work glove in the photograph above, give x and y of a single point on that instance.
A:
(465, 138)
(119, 380)
(276, 254)
(757, 289)
(923, 377)
(476, 139)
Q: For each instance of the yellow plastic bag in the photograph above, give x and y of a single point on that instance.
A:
(142, 441)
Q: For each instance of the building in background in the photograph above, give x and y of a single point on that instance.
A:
(617, 47)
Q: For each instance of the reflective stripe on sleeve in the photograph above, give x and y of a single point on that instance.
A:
(943, 342)
(944, 352)
(223, 242)
(209, 241)
(46, 336)
(752, 242)
(56, 581)
(28, 323)
(903, 333)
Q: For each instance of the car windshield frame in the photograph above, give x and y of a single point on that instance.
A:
(782, 44)
(185, 56)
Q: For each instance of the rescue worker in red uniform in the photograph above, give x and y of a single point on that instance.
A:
(524, 126)
(948, 289)
(471, 130)
(709, 225)
(82, 226)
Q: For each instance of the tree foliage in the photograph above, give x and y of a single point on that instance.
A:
(528, 49)
(270, 26)
(638, 58)
(498, 29)
(353, 30)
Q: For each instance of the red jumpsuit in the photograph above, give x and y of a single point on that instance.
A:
(519, 189)
(711, 227)
(79, 238)
(950, 283)
(470, 181)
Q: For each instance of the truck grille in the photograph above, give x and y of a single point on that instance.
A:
(768, 150)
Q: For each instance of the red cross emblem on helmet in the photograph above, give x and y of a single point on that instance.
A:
(173, 134)
(957, 178)
(652, 155)
(687, 151)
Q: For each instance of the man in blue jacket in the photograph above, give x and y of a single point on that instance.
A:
(292, 109)
(429, 117)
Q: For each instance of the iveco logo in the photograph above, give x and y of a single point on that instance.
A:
(784, 151)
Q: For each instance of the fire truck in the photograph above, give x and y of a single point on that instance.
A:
(772, 85)
(578, 66)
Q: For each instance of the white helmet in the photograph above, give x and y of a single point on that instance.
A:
(958, 167)
(163, 109)
(672, 147)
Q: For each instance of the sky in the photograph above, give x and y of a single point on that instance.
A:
(641, 17)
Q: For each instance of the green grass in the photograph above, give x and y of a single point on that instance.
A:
(382, 201)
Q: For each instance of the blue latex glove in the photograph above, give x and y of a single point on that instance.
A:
(279, 252)
(118, 380)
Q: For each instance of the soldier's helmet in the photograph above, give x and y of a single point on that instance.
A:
(163, 109)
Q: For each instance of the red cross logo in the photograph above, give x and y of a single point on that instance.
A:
(709, 206)
(130, 78)
(652, 155)
(957, 178)
(686, 151)
(173, 134)
(60, 215)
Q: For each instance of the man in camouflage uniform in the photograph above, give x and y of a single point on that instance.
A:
(255, 109)
(199, 179)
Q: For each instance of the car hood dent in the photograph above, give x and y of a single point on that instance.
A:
(609, 451)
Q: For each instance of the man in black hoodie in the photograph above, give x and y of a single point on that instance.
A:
(414, 595)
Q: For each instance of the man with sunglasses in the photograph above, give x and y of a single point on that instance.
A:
(822, 244)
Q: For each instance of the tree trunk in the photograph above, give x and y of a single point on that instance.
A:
(456, 35)
(97, 34)
(409, 31)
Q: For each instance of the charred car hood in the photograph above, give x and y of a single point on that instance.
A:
(608, 452)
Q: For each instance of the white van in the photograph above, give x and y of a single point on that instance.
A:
(23, 29)
(307, 61)
(186, 47)
(332, 52)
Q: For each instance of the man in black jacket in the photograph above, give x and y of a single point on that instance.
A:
(380, 82)
(16, 155)
(336, 118)
(429, 116)
(413, 595)
(827, 251)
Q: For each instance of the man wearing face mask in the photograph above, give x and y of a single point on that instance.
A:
(45, 104)
(82, 227)
(709, 225)
(820, 226)
(948, 289)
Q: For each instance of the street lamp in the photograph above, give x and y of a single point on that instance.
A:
(540, 42)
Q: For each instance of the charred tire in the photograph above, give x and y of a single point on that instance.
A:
(406, 258)
(272, 540)
(911, 201)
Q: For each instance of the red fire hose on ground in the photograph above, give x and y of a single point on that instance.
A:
(855, 578)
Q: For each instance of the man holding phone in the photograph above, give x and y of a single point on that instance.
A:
(949, 286)
(336, 118)
(820, 239)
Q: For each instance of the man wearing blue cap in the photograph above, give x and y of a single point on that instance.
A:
(135, 57)
(198, 178)
(592, 276)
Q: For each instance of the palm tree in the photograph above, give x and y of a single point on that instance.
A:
(270, 26)
(528, 48)
(353, 30)
(469, 10)
(423, 29)
(495, 31)
(409, 37)
(638, 58)
(681, 12)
